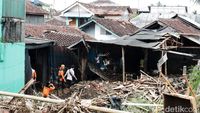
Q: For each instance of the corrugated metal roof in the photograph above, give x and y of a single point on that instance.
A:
(146, 34)
(144, 19)
(129, 42)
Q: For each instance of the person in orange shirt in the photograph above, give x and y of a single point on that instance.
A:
(48, 89)
(61, 76)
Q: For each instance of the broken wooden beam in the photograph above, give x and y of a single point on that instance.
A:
(56, 101)
(22, 91)
(142, 104)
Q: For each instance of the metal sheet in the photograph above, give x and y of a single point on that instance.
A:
(14, 8)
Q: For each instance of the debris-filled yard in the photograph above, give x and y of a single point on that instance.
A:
(136, 96)
(99, 57)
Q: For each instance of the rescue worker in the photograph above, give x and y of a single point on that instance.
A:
(61, 75)
(70, 74)
(34, 75)
(48, 89)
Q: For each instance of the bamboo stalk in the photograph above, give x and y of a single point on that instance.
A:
(32, 97)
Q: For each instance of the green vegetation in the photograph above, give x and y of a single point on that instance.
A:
(194, 77)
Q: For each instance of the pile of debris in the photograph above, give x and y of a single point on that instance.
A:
(115, 94)
(104, 95)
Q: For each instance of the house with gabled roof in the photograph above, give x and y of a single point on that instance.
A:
(182, 46)
(79, 13)
(108, 29)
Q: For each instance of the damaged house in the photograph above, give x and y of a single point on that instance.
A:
(80, 13)
(173, 39)
(51, 48)
(108, 29)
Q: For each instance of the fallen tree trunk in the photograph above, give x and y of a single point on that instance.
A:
(32, 97)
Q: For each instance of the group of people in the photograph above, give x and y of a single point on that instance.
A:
(65, 78)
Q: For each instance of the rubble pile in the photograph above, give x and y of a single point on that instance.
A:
(146, 90)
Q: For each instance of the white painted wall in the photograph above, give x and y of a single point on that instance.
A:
(90, 30)
(98, 36)
(77, 11)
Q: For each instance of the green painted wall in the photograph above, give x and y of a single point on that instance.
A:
(12, 60)
(77, 22)
(12, 71)
(14, 8)
(1, 11)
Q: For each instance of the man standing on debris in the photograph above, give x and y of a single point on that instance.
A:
(70, 74)
(61, 78)
(48, 89)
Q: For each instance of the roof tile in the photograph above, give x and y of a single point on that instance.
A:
(119, 27)
(63, 36)
(180, 26)
(34, 9)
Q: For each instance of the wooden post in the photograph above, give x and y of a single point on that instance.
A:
(165, 47)
(123, 65)
(83, 65)
(145, 59)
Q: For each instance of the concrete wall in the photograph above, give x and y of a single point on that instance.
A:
(12, 66)
(12, 60)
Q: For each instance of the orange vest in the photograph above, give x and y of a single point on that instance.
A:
(61, 75)
(46, 91)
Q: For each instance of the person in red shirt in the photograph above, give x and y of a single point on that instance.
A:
(47, 90)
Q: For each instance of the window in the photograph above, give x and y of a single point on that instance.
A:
(104, 32)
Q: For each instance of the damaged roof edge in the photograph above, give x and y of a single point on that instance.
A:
(33, 42)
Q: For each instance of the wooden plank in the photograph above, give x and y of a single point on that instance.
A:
(83, 66)
(56, 101)
(123, 65)
(142, 104)
(98, 72)
(184, 102)
(22, 91)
